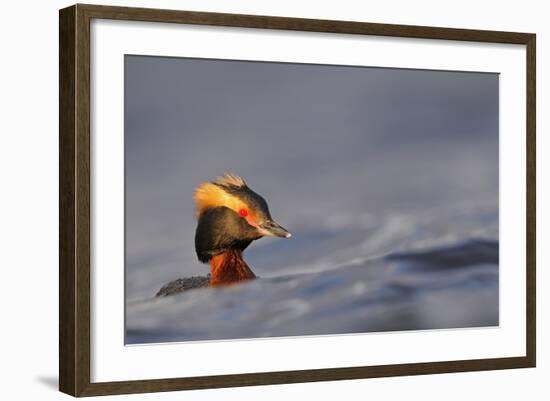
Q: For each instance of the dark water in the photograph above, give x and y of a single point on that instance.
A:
(419, 274)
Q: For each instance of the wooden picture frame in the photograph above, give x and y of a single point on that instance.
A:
(74, 200)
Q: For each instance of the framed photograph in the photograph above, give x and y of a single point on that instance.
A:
(250, 200)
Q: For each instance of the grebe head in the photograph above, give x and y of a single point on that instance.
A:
(231, 216)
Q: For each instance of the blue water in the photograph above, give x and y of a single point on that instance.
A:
(432, 270)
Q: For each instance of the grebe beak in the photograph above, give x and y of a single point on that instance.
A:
(274, 229)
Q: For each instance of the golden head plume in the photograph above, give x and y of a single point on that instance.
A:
(212, 194)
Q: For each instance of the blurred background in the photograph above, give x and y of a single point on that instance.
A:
(385, 177)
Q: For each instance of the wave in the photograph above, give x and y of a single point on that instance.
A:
(445, 285)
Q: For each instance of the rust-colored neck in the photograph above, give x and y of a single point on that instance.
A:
(229, 267)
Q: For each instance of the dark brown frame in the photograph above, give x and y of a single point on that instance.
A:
(74, 199)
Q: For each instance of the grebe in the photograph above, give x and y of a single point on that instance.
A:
(229, 217)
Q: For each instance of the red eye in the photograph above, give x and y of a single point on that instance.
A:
(243, 212)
